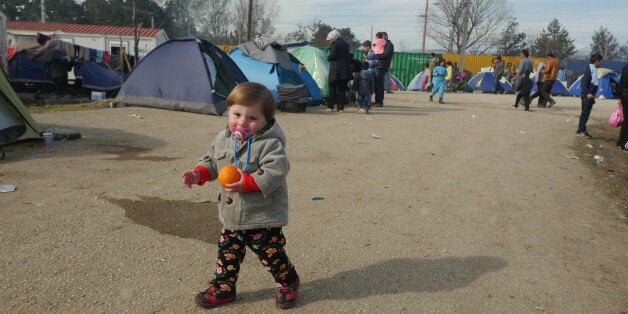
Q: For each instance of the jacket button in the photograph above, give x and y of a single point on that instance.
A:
(260, 171)
(229, 201)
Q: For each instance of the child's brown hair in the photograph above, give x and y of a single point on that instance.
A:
(251, 94)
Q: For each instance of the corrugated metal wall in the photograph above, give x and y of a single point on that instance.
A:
(475, 63)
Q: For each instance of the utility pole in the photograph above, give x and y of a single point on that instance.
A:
(43, 11)
(424, 27)
(249, 22)
(465, 25)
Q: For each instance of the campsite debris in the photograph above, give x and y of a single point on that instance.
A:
(572, 157)
(137, 116)
(377, 136)
(569, 119)
(7, 188)
(522, 132)
(317, 198)
(589, 146)
(598, 158)
(473, 116)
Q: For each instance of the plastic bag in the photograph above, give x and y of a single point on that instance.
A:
(616, 118)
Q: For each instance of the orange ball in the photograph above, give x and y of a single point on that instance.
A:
(228, 174)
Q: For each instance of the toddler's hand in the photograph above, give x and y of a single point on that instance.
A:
(191, 177)
(236, 186)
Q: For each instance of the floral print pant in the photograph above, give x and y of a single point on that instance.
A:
(267, 243)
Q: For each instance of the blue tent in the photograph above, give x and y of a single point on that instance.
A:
(558, 88)
(483, 82)
(270, 64)
(187, 74)
(606, 78)
(397, 83)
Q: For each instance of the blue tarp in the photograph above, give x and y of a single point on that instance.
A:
(97, 77)
(21, 69)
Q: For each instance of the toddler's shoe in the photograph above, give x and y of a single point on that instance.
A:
(213, 297)
(287, 295)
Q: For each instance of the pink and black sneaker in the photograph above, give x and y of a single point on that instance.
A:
(287, 295)
(213, 297)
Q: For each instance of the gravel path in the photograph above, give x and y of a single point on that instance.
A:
(470, 206)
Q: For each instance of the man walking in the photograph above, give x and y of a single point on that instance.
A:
(550, 72)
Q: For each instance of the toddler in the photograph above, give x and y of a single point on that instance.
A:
(254, 209)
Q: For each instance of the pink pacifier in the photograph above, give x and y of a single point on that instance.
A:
(238, 134)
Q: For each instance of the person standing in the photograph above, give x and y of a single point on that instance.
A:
(433, 63)
(364, 85)
(384, 60)
(450, 72)
(539, 78)
(550, 73)
(439, 81)
(588, 89)
(498, 72)
(524, 65)
(339, 71)
(622, 88)
(368, 55)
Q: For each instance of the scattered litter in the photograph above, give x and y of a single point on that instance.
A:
(569, 119)
(361, 142)
(598, 158)
(573, 157)
(317, 198)
(377, 136)
(477, 142)
(522, 132)
(7, 188)
(137, 116)
(589, 146)
(474, 115)
(609, 169)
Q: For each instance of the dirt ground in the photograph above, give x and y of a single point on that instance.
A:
(470, 206)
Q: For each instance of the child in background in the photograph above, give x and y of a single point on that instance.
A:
(254, 209)
(364, 84)
(438, 80)
(524, 86)
(379, 43)
(369, 56)
(450, 72)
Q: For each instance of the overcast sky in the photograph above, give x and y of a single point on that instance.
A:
(400, 18)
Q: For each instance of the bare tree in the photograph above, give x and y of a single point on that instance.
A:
(485, 20)
(263, 16)
(214, 19)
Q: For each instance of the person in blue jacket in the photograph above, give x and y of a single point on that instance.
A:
(588, 85)
(438, 80)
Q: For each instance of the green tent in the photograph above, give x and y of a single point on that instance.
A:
(16, 122)
(315, 61)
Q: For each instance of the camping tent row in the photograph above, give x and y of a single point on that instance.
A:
(194, 75)
(483, 82)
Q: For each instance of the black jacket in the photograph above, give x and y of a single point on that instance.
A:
(384, 59)
(339, 61)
